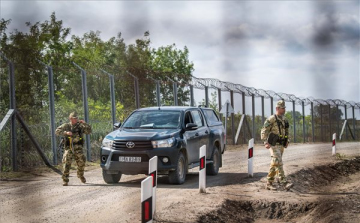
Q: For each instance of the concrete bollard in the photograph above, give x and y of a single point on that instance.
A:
(250, 158)
(202, 170)
(334, 144)
(153, 164)
(146, 200)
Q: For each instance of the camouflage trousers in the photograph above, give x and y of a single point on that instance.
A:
(276, 165)
(67, 160)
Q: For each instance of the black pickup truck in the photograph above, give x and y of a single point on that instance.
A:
(173, 133)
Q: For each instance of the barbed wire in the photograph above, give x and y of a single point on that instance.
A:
(200, 83)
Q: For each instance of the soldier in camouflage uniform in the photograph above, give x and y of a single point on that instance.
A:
(278, 125)
(74, 141)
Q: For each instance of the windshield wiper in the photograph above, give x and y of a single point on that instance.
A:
(147, 126)
(165, 127)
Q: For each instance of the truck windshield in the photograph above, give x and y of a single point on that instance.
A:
(157, 119)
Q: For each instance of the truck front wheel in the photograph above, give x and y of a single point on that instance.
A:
(111, 178)
(178, 175)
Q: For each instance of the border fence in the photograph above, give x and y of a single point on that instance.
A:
(23, 141)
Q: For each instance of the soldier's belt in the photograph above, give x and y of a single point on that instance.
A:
(275, 139)
(80, 142)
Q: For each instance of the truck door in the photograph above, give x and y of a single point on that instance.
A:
(202, 130)
(192, 138)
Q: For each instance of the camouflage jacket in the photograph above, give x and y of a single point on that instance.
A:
(271, 125)
(78, 130)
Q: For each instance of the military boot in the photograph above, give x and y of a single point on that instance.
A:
(277, 179)
(270, 186)
(65, 183)
(83, 180)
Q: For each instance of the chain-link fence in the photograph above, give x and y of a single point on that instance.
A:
(104, 95)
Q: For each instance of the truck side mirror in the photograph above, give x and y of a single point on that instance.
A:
(191, 126)
(117, 125)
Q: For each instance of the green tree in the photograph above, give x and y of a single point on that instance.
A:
(335, 113)
(170, 62)
(43, 42)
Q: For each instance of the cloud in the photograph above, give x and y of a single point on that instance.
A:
(25, 11)
(312, 46)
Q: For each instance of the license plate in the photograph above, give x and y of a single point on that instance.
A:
(129, 159)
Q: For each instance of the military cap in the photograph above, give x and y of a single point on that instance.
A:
(73, 115)
(280, 104)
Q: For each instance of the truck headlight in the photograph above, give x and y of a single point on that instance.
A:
(107, 142)
(163, 143)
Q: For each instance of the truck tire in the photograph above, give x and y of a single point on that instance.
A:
(111, 178)
(179, 174)
(213, 168)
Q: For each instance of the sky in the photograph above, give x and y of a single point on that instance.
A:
(305, 48)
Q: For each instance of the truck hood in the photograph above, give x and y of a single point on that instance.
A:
(142, 134)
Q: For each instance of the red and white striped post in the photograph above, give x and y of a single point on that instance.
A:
(153, 164)
(250, 157)
(334, 144)
(202, 170)
(146, 200)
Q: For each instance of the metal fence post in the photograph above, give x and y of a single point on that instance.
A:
(253, 115)
(219, 101)
(175, 94)
(330, 132)
(271, 105)
(52, 113)
(158, 93)
(86, 108)
(303, 119)
(13, 118)
(136, 88)
(312, 122)
(86, 112)
(346, 131)
(243, 111)
(321, 124)
(294, 121)
(232, 117)
(192, 95)
(353, 113)
(338, 121)
(207, 96)
(262, 110)
(12, 106)
(112, 96)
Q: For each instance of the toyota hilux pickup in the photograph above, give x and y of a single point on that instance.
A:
(172, 133)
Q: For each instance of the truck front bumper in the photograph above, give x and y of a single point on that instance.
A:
(110, 160)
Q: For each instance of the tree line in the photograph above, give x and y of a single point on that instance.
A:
(52, 43)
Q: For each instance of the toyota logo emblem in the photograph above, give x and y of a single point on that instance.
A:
(130, 145)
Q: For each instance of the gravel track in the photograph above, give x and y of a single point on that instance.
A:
(42, 198)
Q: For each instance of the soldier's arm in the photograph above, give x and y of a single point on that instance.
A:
(287, 131)
(265, 130)
(61, 130)
(85, 127)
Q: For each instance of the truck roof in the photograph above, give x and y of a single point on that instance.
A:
(178, 108)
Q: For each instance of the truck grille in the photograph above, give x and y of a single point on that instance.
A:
(137, 145)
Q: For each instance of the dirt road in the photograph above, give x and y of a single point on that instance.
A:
(42, 198)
